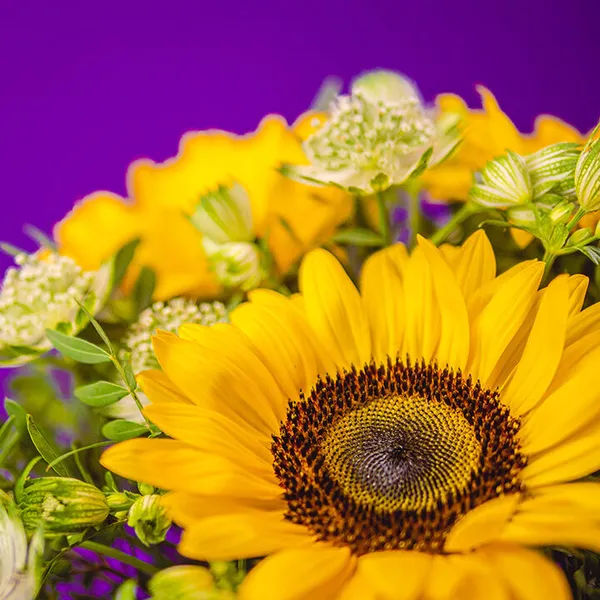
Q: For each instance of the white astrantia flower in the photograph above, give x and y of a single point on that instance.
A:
(40, 293)
(19, 562)
(587, 173)
(379, 135)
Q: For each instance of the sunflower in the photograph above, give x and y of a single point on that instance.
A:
(408, 441)
(292, 217)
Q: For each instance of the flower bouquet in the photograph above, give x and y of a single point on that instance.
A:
(350, 358)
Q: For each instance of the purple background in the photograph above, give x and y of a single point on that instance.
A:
(87, 87)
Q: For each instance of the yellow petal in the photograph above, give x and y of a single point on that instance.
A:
(383, 299)
(186, 509)
(543, 350)
(422, 331)
(160, 389)
(481, 525)
(521, 238)
(396, 575)
(453, 346)
(242, 535)
(527, 574)
(574, 458)
(578, 285)
(220, 381)
(218, 434)
(173, 465)
(448, 574)
(334, 309)
(550, 130)
(315, 572)
(475, 264)
(566, 410)
(281, 347)
(565, 515)
(501, 318)
(96, 228)
(583, 323)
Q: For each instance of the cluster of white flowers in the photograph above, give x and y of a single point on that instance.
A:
(38, 294)
(168, 316)
(379, 135)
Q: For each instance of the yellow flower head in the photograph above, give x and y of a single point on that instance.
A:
(291, 216)
(406, 441)
(487, 133)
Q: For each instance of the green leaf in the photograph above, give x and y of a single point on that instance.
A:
(15, 410)
(20, 483)
(46, 450)
(144, 288)
(120, 430)
(100, 393)
(10, 249)
(122, 260)
(592, 252)
(130, 381)
(80, 350)
(358, 237)
(96, 325)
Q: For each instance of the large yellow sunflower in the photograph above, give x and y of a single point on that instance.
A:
(292, 217)
(408, 441)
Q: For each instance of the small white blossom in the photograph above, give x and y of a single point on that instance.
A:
(19, 564)
(378, 136)
(41, 292)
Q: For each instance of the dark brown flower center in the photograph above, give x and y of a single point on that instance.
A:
(389, 457)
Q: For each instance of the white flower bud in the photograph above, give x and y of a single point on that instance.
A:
(505, 182)
(225, 215)
(552, 168)
(587, 174)
(384, 86)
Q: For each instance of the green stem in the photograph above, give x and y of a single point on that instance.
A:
(576, 218)
(384, 219)
(414, 216)
(548, 258)
(136, 563)
(461, 215)
(130, 388)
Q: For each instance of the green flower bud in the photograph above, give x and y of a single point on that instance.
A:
(117, 501)
(149, 519)
(236, 264)
(505, 182)
(587, 174)
(184, 582)
(553, 167)
(225, 215)
(384, 86)
(62, 505)
(562, 212)
(580, 237)
(145, 489)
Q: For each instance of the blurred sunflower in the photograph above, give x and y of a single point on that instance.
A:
(290, 216)
(408, 441)
(488, 132)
